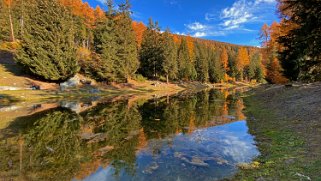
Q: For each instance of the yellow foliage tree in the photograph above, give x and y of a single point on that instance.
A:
(242, 61)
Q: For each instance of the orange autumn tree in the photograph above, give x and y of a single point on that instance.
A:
(274, 74)
(242, 61)
(190, 45)
(139, 29)
(271, 47)
(82, 10)
(99, 14)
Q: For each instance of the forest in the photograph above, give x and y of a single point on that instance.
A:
(54, 40)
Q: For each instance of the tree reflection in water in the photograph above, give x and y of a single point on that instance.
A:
(59, 144)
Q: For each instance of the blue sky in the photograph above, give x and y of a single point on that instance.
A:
(232, 21)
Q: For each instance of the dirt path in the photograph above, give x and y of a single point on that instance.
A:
(287, 124)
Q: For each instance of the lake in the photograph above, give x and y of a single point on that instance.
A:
(186, 137)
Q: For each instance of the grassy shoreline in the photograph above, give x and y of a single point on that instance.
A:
(11, 96)
(286, 152)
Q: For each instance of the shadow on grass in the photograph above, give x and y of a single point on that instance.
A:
(7, 61)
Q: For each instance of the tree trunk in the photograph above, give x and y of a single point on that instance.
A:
(167, 79)
(22, 19)
(128, 79)
(11, 25)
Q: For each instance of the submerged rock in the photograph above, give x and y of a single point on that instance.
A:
(178, 155)
(198, 162)
(151, 168)
(221, 161)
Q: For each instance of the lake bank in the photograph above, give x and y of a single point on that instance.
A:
(17, 94)
(286, 123)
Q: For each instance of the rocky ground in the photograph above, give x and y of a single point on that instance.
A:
(286, 121)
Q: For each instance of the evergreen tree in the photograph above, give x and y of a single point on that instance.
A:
(216, 67)
(202, 62)
(48, 42)
(170, 66)
(152, 52)
(232, 59)
(224, 59)
(255, 68)
(242, 61)
(7, 8)
(127, 54)
(301, 56)
(186, 67)
(106, 48)
(12, 18)
(2, 22)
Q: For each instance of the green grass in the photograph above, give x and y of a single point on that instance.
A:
(282, 150)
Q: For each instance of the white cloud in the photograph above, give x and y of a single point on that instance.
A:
(196, 26)
(198, 30)
(180, 33)
(241, 12)
(264, 1)
(232, 19)
(199, 34)
(238, 14)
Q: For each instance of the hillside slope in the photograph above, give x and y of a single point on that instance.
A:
(12, 75)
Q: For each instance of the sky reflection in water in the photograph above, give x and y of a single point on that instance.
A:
(206, 154)
(185, 137)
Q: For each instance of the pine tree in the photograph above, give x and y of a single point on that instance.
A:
(202, 62)
(3, 31)
(242, 61)
(106, 48)
(232, 62)
(170, 66)
(48, 42)
(152, 52)
(216, 70)
(8, 4)
(186, 68)
(224, 59)
(12, 15)
(255, 68)
(301, 56)
(127, 54)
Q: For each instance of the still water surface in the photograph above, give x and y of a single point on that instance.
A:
(202, 136)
